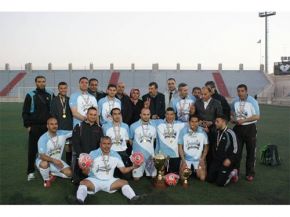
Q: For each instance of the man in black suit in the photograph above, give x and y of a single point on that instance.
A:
(224, 103)
(207, 109)
(155, 101)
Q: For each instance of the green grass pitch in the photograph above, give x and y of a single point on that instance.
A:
(271, 185)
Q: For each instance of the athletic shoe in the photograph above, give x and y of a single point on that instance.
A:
(30, 177)
(137, 198)
(47, 184)
(71, 199)
(235, 176)
(250, 178)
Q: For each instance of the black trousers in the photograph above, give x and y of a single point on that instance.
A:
(77, 172)
(33, 137)
(211, 143)
(218, 173)
(247, 134)
(173, 166)
(127, 162)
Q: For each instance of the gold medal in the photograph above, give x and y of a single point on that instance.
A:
(64, 116)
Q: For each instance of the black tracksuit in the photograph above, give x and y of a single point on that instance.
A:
(85, 138)
(35, 112)
(98, 94)
(226, 147)
(63, 123)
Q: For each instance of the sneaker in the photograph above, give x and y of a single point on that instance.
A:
(30, 177)
(137, 198)
(235, 176)
(47, 184)
(250, 178)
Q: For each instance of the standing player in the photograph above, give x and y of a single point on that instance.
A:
(35, 113)
(61, 111)
(143, 135)
(80, 102)
(221, 171)
(183, 104)
(168, 131)
(245, 114)
(193, 147)
(50, 148)
(109, 102)
(100, 175)
(119, 134)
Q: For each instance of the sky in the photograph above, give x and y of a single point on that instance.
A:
(142, 38)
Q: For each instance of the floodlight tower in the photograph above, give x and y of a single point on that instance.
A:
(266, 15)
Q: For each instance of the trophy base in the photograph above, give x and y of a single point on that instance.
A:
(185, 184)
(159, 184)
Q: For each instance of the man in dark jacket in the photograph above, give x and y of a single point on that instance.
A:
(35, 113)
(225, 154)
(93, 89)
(155, 101)
(207, 109)
(224, 103)
(126, 104)
(61, 111)
(86, 137)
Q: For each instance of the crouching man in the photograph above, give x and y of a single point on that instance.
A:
(221, 170)
(100, 173)
(50, 148)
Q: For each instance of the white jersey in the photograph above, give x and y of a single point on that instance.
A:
(119, 135)
(143, 136)
(167, 137)
(106, 105)
(245, 109)
(103, 166)
(193, 143)
(182, 107)
(82, 101)
(53, 146)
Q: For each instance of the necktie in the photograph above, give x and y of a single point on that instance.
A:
(170, 96)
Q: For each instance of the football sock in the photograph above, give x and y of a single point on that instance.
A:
(82, 192)
(44, 173)
(128, 192)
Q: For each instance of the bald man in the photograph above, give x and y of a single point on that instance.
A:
(126, 104)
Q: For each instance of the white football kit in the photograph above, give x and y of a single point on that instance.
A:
(106, 105)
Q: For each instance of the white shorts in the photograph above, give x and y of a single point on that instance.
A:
(193, 163)
(101, 185)
(137, 173)
(52, 167)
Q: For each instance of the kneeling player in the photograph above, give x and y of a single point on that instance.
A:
(221, 169)
(50, 148)
(101, 173)
(193, 148)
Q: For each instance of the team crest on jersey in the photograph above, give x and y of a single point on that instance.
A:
(193, 145)
(169, 134)
(143, 138)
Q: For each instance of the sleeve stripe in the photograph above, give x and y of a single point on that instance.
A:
(235, 143)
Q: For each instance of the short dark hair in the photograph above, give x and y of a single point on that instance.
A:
(83, 78)
(193, 116)
(39, 76)
(62, 83)
(171, 79)
(105, 138)
(208, 88)
(114, 109)
(196, 88)
(210, 83)
(181, 85)
(170, 109)
(153, 83)
(51, 117)
(92, 108)
(111, 85)
(93, 79)
(242, 86)
(222, 116)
